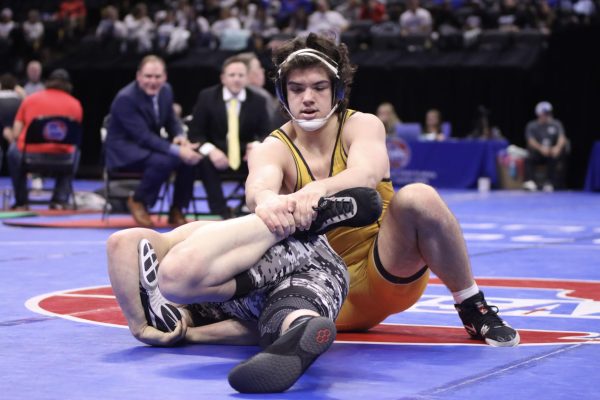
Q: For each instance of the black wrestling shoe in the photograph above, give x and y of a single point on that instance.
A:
(354, 207)
(482, 322)
(159, 312)
(281, 364)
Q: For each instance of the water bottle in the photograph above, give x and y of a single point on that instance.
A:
(512, 168)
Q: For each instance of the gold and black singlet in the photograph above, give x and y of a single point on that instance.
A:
(352, 244)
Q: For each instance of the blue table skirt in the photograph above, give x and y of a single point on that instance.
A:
(447, 164)
(592, 179)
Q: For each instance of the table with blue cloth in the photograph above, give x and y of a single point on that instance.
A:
(448, 164)
(592, 179)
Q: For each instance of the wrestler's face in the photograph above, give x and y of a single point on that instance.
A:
(151, 77)
(309, 93)
(235, 77)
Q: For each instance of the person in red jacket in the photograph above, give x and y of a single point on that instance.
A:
(55, 100)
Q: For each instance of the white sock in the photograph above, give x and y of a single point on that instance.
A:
(464, 294)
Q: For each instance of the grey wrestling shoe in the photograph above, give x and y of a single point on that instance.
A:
(482, 322)
(354, 207)
(281, 364)
(159, 312)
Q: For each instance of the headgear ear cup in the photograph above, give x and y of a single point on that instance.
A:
(279, 91)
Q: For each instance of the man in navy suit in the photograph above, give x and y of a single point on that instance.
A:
(210, 127)
(134, 142)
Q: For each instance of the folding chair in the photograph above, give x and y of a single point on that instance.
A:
(237, 194)
(118, 185)
(52, 130)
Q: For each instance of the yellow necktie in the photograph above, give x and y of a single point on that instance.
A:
(233, 135)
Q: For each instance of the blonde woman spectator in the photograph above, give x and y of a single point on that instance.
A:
(387, 115)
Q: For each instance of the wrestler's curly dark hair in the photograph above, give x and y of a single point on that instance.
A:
(336, 52)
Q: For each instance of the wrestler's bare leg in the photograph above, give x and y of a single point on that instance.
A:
(420, 230)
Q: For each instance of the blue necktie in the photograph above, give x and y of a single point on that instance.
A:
(155, 104)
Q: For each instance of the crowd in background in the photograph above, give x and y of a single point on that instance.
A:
(33, 29)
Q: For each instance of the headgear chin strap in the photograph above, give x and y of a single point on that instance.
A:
(313, 124)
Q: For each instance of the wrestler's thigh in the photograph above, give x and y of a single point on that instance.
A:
(397, 242)
(183, 232)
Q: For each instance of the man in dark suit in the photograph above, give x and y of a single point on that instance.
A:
(134, 142)
(222, 113)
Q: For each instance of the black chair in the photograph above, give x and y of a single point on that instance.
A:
(118, 185)
(55, 130)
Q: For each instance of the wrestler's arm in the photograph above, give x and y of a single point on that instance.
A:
(266, 166)
(230, 331)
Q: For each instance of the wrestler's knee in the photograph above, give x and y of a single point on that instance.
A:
(416, 198)
(124, 240)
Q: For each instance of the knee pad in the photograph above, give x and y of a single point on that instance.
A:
(279, 306)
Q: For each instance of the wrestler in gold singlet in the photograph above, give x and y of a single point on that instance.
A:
(372, 296)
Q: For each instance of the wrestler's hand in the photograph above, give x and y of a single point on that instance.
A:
(307, 199)
(276, 211)
(152, 336)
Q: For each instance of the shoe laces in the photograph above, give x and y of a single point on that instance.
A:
(334, 207)
(488, 314)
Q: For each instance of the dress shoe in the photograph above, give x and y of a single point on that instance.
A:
(59, 206)
(139, 212)
(19, 207)
(176, 217)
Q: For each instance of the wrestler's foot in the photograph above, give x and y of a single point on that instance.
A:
(482, 322)
(281, 364)
(159, 312)
(354, 207)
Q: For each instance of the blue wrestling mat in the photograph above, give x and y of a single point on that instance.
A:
(536, 256)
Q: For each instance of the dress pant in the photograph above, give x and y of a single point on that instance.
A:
(212, 182)
(156, 169)
(537, 158)
(62, 185)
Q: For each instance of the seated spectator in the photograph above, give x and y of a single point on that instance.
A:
(10, 100)
(515, 16)
(415, 20)
(326, 21)
(373, 10)
(262, 27)
(7, 25)
(33, 30)
(170, 37)
(256, 82)
(228, 30)
(228, 120)
(110, 28)
(433, 126)
(547, 145)
(140, 28)
(133, 142)
(34, 78)
(54, 100)
(387, 115)
(72, 14)
(483, 130)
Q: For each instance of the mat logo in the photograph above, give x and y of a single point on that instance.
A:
(568, 299)
(399, 153)
(554, 298)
